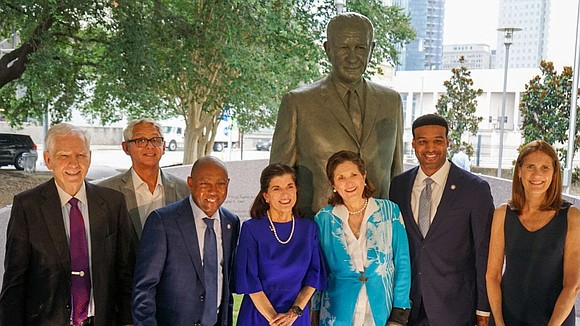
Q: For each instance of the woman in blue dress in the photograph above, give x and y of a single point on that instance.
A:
(278, 262)
(537, 237)
(367, 252)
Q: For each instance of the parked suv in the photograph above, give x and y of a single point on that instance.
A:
(12, 148)
(264, 144)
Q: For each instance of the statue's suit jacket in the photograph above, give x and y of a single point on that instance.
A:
(169, 282)
(174, 188)
(36, 288)
(313, 123)
(448, 265)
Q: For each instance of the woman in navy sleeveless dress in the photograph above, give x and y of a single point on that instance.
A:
(279, 262)
(538, 235)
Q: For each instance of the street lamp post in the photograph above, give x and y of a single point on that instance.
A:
(572, 124)
(339, 6)
(508, 40)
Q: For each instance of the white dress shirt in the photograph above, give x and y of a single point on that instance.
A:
(81, 195)
(200, 227)
(147, 201)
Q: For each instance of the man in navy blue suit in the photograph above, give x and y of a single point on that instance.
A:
(171, 284)
(447, 213)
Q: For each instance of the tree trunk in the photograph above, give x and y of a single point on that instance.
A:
(13, 64)
(200, 133)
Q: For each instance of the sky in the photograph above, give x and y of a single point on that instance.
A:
(476, 21)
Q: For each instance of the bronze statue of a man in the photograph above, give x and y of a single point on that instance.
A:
(343, 111)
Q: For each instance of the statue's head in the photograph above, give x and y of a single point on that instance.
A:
(349, 45)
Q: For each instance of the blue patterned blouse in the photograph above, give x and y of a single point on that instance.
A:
(387, 265)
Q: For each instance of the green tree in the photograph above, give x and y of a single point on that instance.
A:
(198, 59)
(458, 106)
(545, 108)
(62, 43)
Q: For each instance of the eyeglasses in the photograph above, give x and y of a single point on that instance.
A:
(142, 142)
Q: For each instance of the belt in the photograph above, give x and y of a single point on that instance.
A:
(90, 321)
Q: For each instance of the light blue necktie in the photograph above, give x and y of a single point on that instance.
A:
(424, 219)
(210, 274)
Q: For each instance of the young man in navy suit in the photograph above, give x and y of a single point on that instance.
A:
(173, 284)
(447, 213)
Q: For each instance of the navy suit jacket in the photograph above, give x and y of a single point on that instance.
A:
(168, 282)
(449, 264)
(36, 287)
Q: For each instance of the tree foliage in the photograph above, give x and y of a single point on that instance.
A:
(62, 43)
(458, 106)
(164, 58)
(545, 108)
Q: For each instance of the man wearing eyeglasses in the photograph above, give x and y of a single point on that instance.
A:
(145, 186)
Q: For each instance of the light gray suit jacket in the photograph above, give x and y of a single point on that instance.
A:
(175, 189)
(313, 124)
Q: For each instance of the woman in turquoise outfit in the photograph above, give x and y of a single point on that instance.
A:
(367, 253)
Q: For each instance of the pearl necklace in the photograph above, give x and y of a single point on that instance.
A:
(273, 229)
(360, 210)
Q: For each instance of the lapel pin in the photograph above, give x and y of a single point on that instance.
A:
(453, 187)
(229, 226)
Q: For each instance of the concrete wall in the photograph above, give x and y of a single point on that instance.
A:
(98, 135)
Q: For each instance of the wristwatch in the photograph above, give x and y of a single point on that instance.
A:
(297, 310)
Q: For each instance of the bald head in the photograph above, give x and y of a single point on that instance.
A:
(206, 161)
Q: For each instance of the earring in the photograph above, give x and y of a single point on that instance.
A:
(333, 190)
(267, 201)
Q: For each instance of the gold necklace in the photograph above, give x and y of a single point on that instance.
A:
(273, 229)
(360, 210)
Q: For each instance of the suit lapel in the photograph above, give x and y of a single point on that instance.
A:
(52, 214)
(227, 229)
(169, 188)
(370, 111)
(131, 200)
(186, 223)
(97, 220)
(448, 198)
(407, 193)
(336, 108)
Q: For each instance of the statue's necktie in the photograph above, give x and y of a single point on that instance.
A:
(210, 271)
(424, 219)
(79, 263)
(354, 109)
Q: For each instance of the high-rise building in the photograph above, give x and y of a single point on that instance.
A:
(529, 46)
(475, 56)
(425, 52)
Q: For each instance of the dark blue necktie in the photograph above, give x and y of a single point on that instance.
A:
(210, 271)
(79, 264)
